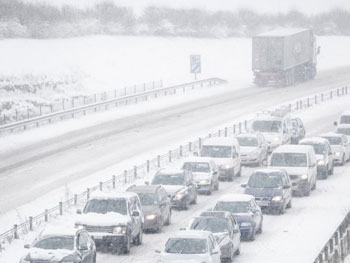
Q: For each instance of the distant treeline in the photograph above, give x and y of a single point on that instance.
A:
(26, 20)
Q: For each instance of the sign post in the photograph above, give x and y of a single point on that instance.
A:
(195, 61)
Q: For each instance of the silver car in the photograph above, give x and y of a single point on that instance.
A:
(340, 147)
(254, 148)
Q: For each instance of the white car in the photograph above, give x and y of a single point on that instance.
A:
(205, 173)
(340, 146)
(190, 246)
(254, 148)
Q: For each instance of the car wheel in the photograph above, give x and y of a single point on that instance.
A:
(195, 199)
(126, 249)
(168, 220)
(343, 160)
(314, 186)
(230, 178)
(260, 230)
(282, 210)
(138, 239)
(332, 170)
(210, 191)
(325, 174)
(216, 187)
(307, 192)
(238, 251)
(252, 238)
(240, 172)
(289, 205)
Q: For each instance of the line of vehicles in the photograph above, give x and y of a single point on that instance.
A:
(113, 221)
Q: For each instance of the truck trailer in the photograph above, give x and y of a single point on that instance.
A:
(283, 56)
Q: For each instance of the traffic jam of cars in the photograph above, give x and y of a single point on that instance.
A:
(285, 162)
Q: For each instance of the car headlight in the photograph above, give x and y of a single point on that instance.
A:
(337, 153)
(227, 166)
(179, 196)
(121, 230)
(276, 139)
(204, 182)
(277, 198)
(320, 162)
(304, 177)
(151, 217)
(246, 224)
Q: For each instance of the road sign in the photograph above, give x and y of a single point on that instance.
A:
(195, 63)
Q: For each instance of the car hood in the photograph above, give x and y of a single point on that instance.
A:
(223, 161)
(293, 170)
(180, 258)
(263, 192)
(54, 255)
(247, 149)
(109, 219)
(201, 176)
(337, 148)
(172, 189)
(270, 136)
(243, 217)
(150, 209)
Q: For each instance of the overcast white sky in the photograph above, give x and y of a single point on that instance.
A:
(269, 6)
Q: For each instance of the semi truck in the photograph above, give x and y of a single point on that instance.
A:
(284, 56)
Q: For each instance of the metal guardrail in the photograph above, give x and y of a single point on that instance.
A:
(137, 172)
(72, 112)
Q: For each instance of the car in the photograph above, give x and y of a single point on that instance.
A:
(226, 153)
(190, 246)
(224, 228)
(113, 219)
(205, 173)
(344, 118)
(324, 155)
(344, 129)
(246, 212)
(340, 147)
(179, 185)
(253, 147)
(271, 188)
(276, 128)
(300, 163)
(298, 130)
(61, 244)
(155, 204)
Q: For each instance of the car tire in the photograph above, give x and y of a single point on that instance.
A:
(230, 178)
(343, 160)
(238, 251)
(93, 260)
(260, 230)
(332, 170)
(314, 186)
(168, 220)
(325, 174)
(239, 174)
(210, 191)
(307, 192)
(194, 201)
(216, 187)
(252, 238)
(126, 249)
(289, 205)
(282, 210)
(138, 239)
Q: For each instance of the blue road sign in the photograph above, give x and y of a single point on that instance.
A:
(195, 63)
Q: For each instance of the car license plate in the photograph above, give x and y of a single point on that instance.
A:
(263, 203)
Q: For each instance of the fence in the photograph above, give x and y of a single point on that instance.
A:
(75, 111)
(130, 175)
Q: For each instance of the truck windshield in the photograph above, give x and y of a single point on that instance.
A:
(267, 126)
(247, 141)
(216, 151)
(263, 180)
(196, 167)
(289, 159)
(104, 206)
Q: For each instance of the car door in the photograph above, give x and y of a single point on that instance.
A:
(84, 248)
(162, 206)
(166, 202)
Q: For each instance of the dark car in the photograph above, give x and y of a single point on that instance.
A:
(179, 185)
(155, 205)
(225, 230)
(114, 220)
(61, 244)
(298, 130)
(271, 188)
(246, 212)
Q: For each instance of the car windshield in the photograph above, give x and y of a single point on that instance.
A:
(345, 119)
(267, 126)
(216, 151)
(233, 207)
(212, 224)
(103, 206)
(289, 159)
(318, 147)
(334, 140)
(186, 246)
(247, 141)
(265, 180)
(345, 131)
(169, 179)
(196, 167)
(148, 198)
(55, 242)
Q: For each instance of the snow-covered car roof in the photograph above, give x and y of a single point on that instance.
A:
(268, 170)
(143, 188)
(220, 141)
(267, 117)
(318, 140)
(236, 198)
(281, 32)
(198, 160)
(331, 134)
(295, 148)
(190, 234)
(247, 135)
(59, 231)
(345, 113)
(112, 195)
(170, 171)
(343, 126)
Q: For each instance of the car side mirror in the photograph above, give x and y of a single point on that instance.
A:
(135, 213)
(79, 211)
(335, 123)
(215, 172)
(146, 182)
(243, 185)
(286, 186)
(27, 246)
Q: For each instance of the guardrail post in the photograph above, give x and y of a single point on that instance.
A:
(113, 181)
(245, 124)
(95, 97)
(161, 83)
(28, 113)
(326, 255)
(308, 102)
(147, 166)
(209, 135)
(320, 258)
(331, 94)
(115, 93)
(61, 208)
(225, 131)
(190, 146)
(239, 128)
(15, 231)
(87, 193)
(200, 143)
(46, 215)
(315, 99)
(322, 97)
(181, 153)
(75, 199)
(30, 223)
(234, 128)
(101, 185)
(125, 176)
(338, 93)
(135, 171)
(219, 133)
(170, 156)
(144, 86)
(158, 161)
